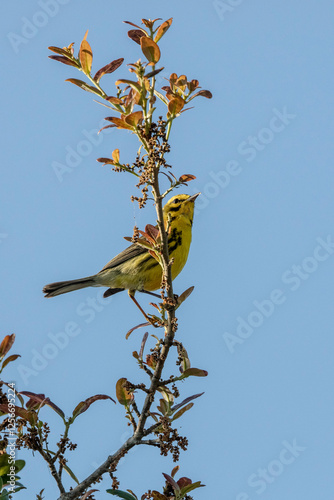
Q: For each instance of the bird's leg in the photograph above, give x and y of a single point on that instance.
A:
(132, 297)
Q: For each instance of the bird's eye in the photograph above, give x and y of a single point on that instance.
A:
(176, 201)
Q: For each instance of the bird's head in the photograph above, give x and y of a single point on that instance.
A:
(181, 205)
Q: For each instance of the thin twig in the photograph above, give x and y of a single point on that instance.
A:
(52, 468)
(150, 442)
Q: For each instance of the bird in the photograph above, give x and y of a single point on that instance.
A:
(135, 269)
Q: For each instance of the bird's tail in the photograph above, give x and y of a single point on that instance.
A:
(60, 287)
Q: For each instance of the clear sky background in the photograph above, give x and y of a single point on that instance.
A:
(261, 317)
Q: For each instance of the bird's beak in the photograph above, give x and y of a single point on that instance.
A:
(193, 197)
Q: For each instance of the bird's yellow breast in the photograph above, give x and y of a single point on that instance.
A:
(143, 272)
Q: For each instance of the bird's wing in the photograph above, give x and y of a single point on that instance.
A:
(127, 254)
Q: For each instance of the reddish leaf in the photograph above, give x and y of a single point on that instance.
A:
(153, 73)
(162, 29)
(105, 160)
(187, 400)
(135, 327)
(109, 68)
(154, 255)
(186, 178)
(114, 100)
(6, 344)
(203, 93)
(175, 105)
(84, 405)
(150, 49)
(192, 85)
(136, 35)
(136, 26)
(181, 82)
(171, 481)
(62, 52)
(41, 400)
(184, 481)
(150, 361)
(29, 416)
(123, 395)
(120, 123)
(132, 98)
(152, 231)
(147, 237)
(172, 79)
(64, 60)
(107, 126)
(134, 118)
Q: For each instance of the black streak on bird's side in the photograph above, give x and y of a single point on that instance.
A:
(175, 240)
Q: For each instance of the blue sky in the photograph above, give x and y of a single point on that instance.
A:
(261, 317)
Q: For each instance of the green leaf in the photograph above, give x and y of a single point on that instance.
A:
(4, 495)
(194, 372)
(121, 494)
(123, 395)
(191, 487)
(132, 84)
(11, 358)
(161, 97)
(179, 413)
(62, 52)
(84, 86)
(71, 473)
(19, 464)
